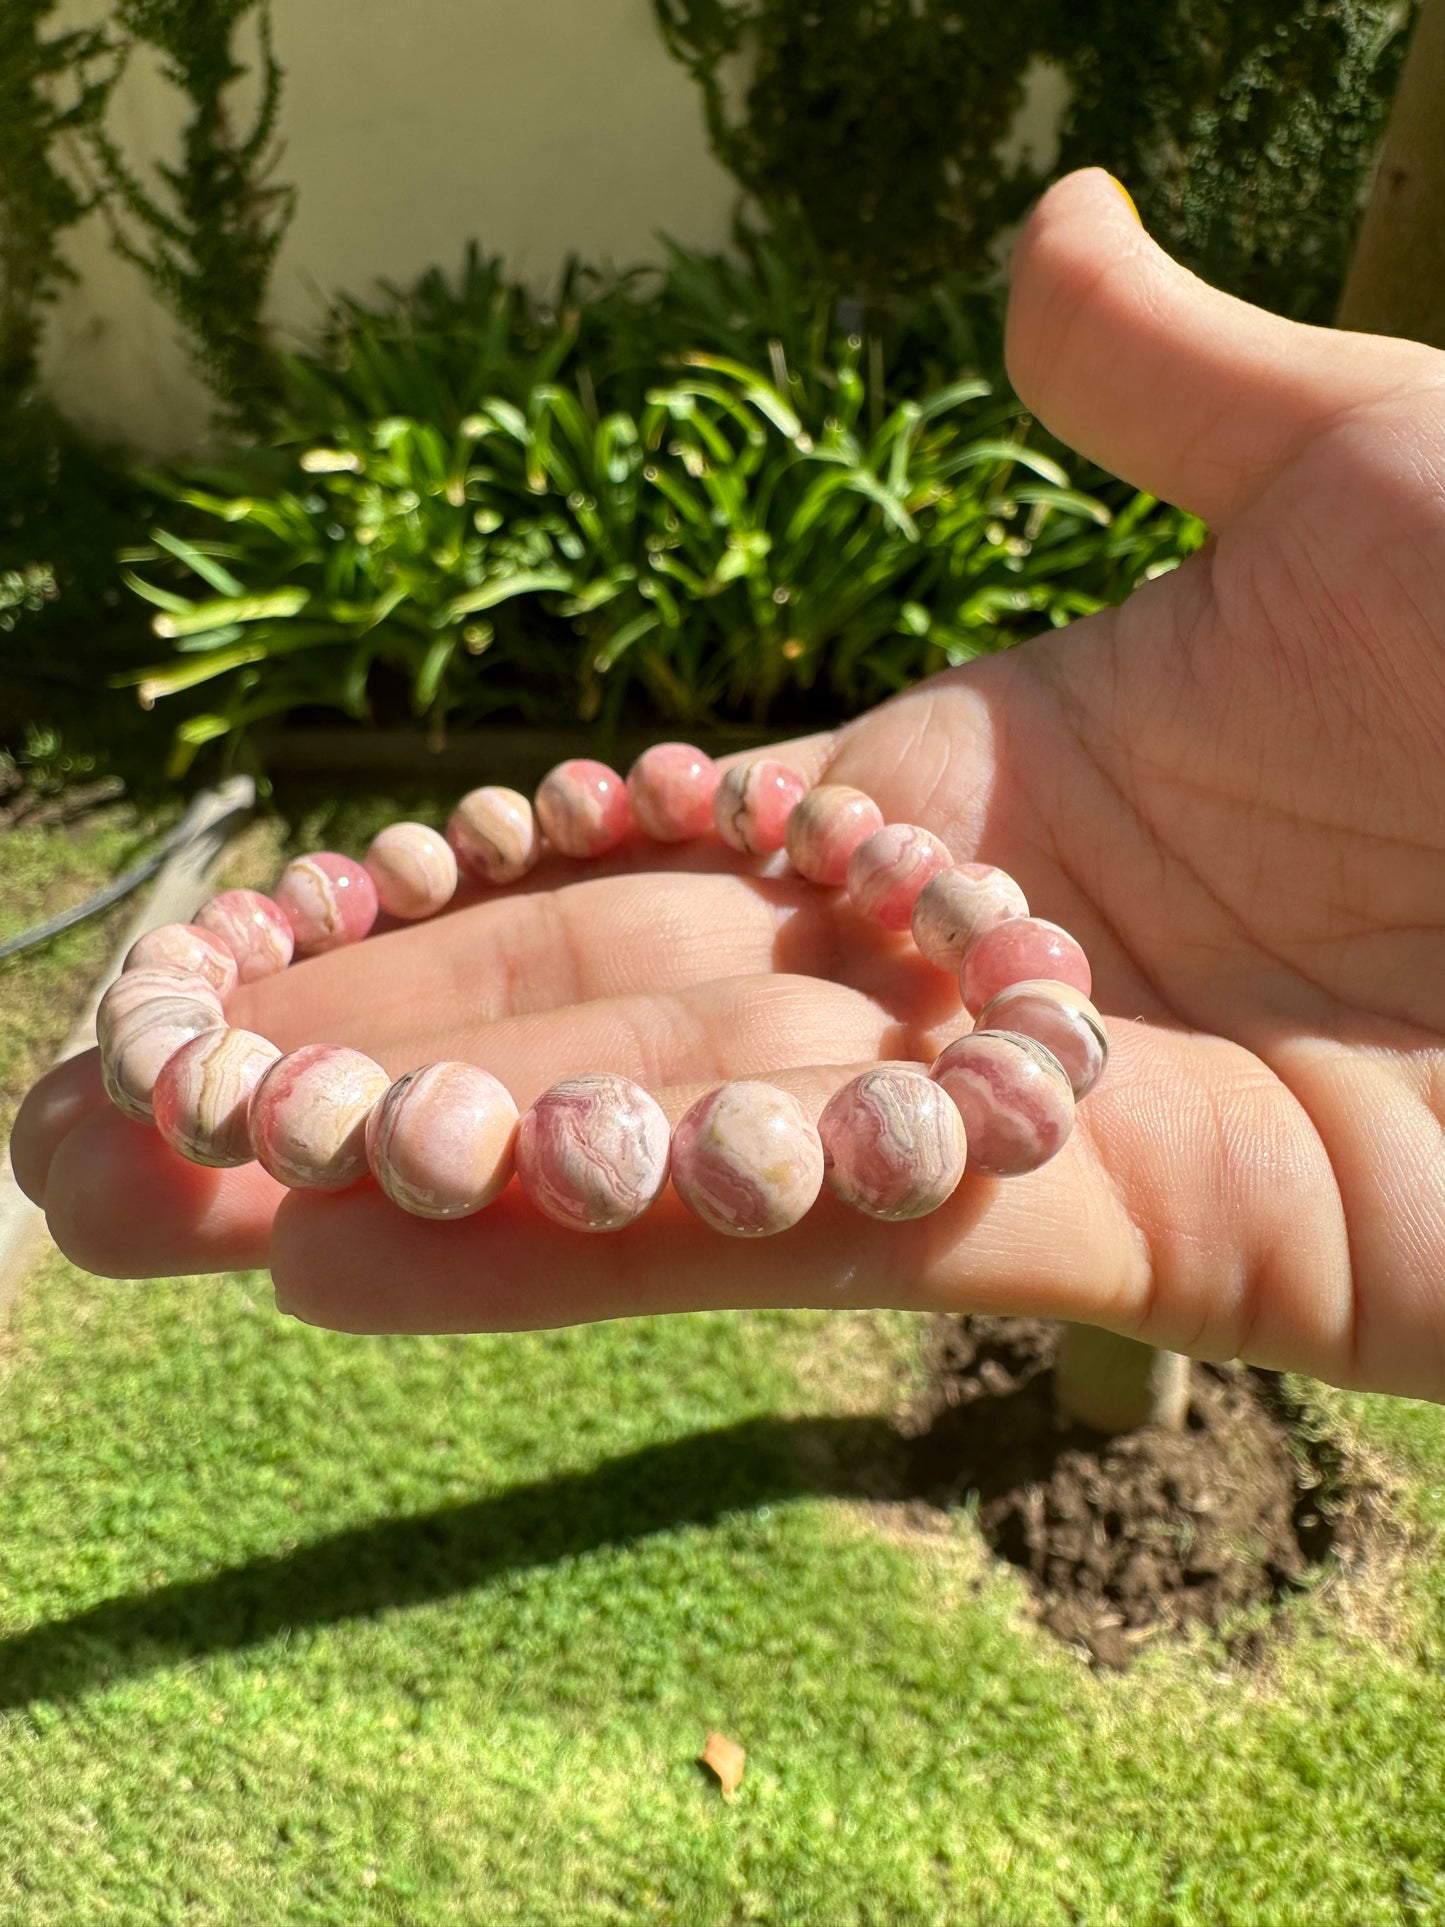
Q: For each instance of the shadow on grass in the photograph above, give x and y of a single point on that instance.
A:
(408, 1562)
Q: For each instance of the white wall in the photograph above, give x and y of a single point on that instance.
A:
(537, 126)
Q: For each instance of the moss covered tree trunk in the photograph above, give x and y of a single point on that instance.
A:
(1396, 281)
(1116, 1384)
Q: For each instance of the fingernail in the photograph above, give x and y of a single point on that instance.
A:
(1127, 196)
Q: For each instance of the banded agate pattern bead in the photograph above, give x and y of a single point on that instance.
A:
(752, 805)
(412, 870)
(825, 829)
(1061, 1019)
(187, 947)
(1023, 949)
(139, 1044)
(957, 907)
(747, 1159)
(309, 1115)
(592, 1152)
(254, 928)
(1014, 1099)
(671, 788)
(329, 901)
(889, 869)
(202, 1098)
(494, 835)
(894, 1145)
(583, 809)
(440, 1142)
(136, 989)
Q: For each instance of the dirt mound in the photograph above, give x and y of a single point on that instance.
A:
(1122, 1536)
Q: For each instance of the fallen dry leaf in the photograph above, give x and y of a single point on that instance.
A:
(726, 1759)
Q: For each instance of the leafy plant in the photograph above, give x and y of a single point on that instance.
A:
(208, 239)
(1245, 128)
(51, 89)
(697, 539)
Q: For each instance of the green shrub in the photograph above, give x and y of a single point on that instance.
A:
(67, 625)
(1244, 128)
(604, 533)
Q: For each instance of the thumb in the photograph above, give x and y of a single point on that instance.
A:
(1189, 393)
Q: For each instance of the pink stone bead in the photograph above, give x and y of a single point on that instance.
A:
(1014, 1099)
(185, 946)
(747, 1159)
(414, 870)
(328, 900)
(253, 928)
(147, 984)
(893, 1143)
(826, 828)
(140, 1043)
(202, 1098)
(671, 788)
(889, 869)
(592, 1152)
(955, 908)
(1022, 949)
(1061, 1019)
(494, 835)
(753, 803)
(583, 809)
(309, 1114)
(440, 1142)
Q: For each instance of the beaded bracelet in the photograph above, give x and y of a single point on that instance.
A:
(595, 1151)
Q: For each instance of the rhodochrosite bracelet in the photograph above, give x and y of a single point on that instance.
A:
(595, 1151)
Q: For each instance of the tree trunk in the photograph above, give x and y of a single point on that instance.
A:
(1115, 1384)
(1396, 280)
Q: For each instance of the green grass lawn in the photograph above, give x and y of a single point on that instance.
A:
(297, 1627)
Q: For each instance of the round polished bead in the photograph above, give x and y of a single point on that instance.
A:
(671, 788)
(440, 1142)
(747, 1159)
(254, 928)
(826, 828)
(308, 1117)
(1022, 949)
(148, 984)
(328, 899)
(888, 870)
(893, 1143)
(753, 803)
(1061, 1019)
(202, 1098)
(957, 907)
(413, 870)
(494, 834)
(186, 946)
(140, 1043)
(592, 1152)
(1014, 1099)
(583, 809)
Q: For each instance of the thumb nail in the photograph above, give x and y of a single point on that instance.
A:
(1129, 198)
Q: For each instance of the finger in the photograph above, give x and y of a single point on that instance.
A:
(604, 937)
(49, 1111)
(1183, 390)
(1149, 1222)
(122, 1204)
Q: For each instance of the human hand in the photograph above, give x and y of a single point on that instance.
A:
(1231, 790)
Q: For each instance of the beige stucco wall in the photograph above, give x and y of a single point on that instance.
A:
(538, 127)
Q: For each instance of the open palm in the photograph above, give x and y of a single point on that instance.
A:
(1232, 790)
